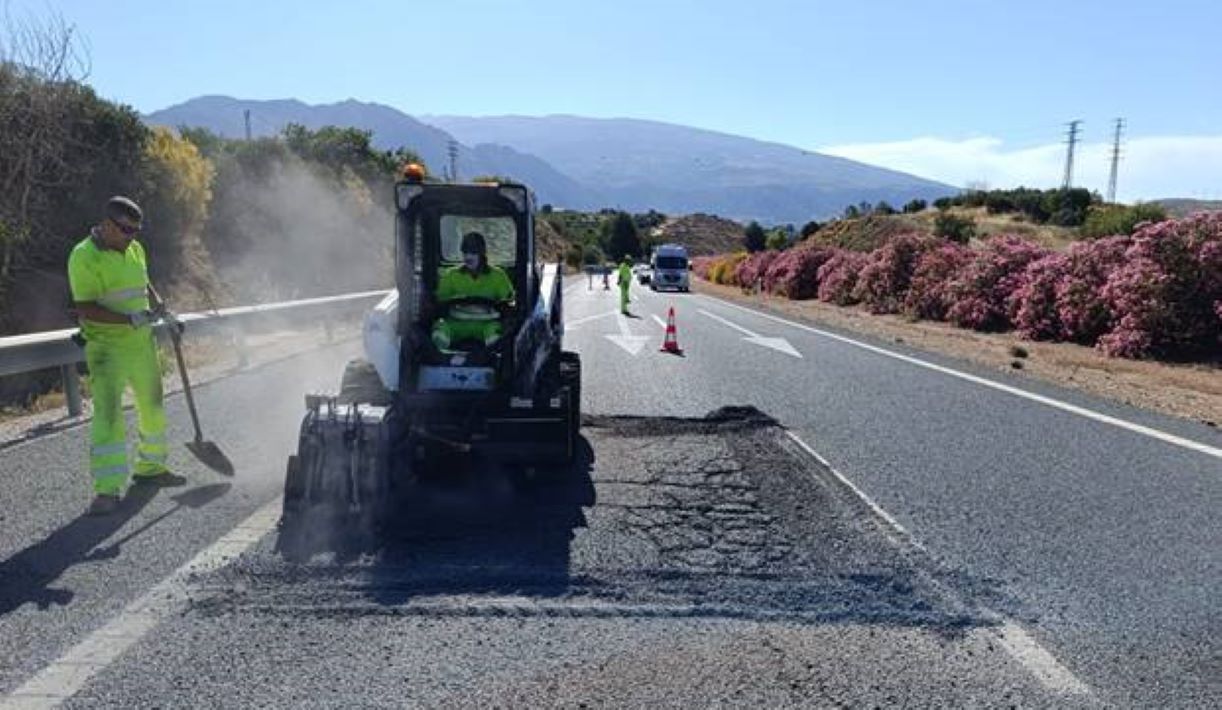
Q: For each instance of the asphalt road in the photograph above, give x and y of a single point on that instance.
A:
(971, 547)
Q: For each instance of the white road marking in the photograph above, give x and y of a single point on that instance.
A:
(658, 319)
(1021, 646)
(578, 322)
(1008, 389)
(72, 671)
(632, 344)
(778, 344)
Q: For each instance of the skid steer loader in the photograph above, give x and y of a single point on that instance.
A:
(411, 404)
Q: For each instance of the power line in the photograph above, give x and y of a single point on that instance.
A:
(1111, 180)
(1072, 140)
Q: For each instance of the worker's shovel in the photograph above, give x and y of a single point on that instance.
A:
(207, 452)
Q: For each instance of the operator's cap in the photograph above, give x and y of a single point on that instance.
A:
(474, 241)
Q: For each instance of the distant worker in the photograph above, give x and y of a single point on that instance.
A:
(625, 280)
(475, 278)
(116, 305)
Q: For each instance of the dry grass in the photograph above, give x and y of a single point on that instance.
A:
(1183, 390)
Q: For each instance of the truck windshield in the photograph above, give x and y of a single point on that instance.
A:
(670, 262)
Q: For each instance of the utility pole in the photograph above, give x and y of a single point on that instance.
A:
(452, 151)
(1072, 140)
(1111, 180)
(247, 115)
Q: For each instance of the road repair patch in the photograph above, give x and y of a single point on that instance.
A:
(680, 561)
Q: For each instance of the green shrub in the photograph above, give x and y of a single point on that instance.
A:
(1108, 220)
(955, 228)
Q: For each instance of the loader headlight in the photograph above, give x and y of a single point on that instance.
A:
(404, 194)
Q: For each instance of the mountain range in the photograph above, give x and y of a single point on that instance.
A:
(589, 163)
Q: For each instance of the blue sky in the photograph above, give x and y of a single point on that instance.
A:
(959, 90)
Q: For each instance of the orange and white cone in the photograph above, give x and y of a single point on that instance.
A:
(671, 343)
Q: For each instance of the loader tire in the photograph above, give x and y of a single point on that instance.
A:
(360, 384)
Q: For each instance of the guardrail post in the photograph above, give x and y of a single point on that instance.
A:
(72, 388)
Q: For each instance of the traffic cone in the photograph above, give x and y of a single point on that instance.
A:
(671, 343)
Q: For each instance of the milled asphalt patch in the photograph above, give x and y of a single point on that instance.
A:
(682, 562)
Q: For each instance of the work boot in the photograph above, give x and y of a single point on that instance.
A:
(161, 479)
(104, 504)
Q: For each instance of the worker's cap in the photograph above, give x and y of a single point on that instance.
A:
(473, 243)
(119, 207)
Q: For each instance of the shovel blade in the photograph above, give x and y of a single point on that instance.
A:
(210, 455)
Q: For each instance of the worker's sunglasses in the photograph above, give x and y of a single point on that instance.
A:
(127, 229)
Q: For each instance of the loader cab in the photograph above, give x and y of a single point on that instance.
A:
(431, 219)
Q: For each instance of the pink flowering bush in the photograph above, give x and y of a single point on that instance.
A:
(795, 273)
(1033, 304)
(752, 269)
(1164, 297)
(883, 282)
(1083, 312)
(929, 295)
(983, 288)
(838, 277)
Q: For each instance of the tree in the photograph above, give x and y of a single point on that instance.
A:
(810, 228)
(777, 240)
(914, 206)
(620, 236)
(883, 207)
(943, 203)
(852, 212)
(754, 238)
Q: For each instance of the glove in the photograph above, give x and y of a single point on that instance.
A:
(140, 319)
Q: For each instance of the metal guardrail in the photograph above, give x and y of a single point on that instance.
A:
(59, 348)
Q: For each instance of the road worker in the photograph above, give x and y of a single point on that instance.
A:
(116, 306)
(474, 278)
(625, 280)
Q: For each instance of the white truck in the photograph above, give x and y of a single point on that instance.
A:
(669, 267)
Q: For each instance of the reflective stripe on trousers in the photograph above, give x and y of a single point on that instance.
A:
(113, 365)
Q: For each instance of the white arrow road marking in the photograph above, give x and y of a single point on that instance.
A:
(578, 322)
(632, 344)
(779, 344)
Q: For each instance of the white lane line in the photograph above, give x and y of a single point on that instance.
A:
(577, 322)
(1021, 646)
(658, 319)
(66, 676)
(1008, 389)
(778, 344)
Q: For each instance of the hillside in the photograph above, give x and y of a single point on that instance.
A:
(587, 164)
(391, 129)
(702, 234)
(1182, 207)
(871, 232)
(679, 169)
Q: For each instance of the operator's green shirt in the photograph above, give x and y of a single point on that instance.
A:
(117, 281)
(458, 282)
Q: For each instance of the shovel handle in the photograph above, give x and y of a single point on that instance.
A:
(176, 339)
